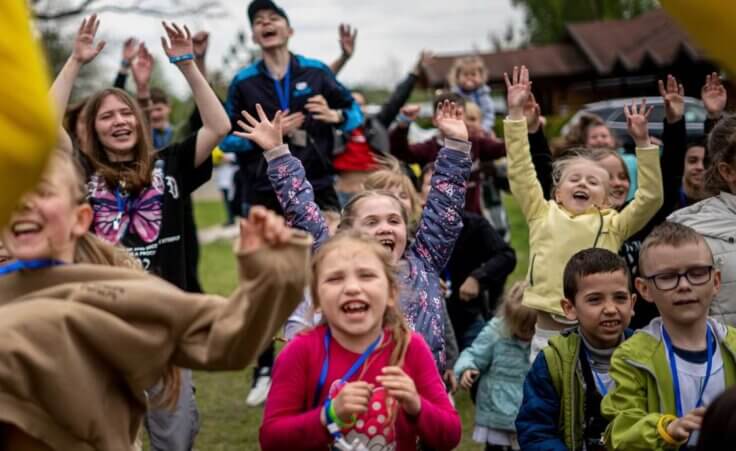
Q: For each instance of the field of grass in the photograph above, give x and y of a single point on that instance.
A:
(227, 424)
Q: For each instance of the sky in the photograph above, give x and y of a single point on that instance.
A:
(391, 33)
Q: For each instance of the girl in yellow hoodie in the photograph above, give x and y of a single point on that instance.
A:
(578, 215)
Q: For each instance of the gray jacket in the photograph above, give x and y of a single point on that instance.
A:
(715, 219)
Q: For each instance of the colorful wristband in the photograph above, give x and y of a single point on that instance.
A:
(662, 424)
(332, 415)
(180, 58)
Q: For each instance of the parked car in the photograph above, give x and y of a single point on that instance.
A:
(612, 112)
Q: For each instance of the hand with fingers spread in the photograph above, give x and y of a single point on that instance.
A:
(673, 95)
(130, 48)
(533, 114)
(266, 134)
(449, 119)
(352, 400)
(401, 387)
(85, 49)
(263, 228)
(142, 67)
(347, 35)
(468, 378)
(681, 428)
(714, 96)
(179, 43)
(637, 121)
(317, 105)
(518, 91)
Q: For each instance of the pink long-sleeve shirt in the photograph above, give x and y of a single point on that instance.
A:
(291, 422)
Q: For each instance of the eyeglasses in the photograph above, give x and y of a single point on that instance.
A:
(698, 275)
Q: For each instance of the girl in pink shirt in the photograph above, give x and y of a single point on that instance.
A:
(363, 378)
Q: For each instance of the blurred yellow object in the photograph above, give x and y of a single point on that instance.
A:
(711, 25)
(217, 156)
(28, 125)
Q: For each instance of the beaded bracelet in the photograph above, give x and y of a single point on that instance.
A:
(180, 58)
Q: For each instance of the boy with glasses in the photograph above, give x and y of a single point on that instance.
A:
(667, 373)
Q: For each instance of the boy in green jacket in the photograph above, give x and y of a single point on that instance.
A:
(667, 373)
(564, 388)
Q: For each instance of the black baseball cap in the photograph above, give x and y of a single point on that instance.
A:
(259, 5)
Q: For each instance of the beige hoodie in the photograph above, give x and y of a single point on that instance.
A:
(80, 343)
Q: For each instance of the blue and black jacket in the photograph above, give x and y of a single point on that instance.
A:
(309, 77)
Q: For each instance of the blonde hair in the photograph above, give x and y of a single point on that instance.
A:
(519, 319)
(385, 179)
(392, 317)
(572, 156)
(466, 63)
(347, 221)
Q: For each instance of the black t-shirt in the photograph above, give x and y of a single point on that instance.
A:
(151, 223)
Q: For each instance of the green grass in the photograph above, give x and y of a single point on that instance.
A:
(227, 424)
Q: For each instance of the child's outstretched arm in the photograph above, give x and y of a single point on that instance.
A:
(441, 219)
(83, 53)
(649, 196)
(215, 122)
(537, 423)
(522, 177)
(286, 173)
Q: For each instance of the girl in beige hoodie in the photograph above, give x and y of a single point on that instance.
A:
(80, 343)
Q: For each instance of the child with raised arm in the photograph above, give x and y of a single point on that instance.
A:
(383, 216)
(362, 377)
(579, 215)
(81, 343)
(564, 388)
(667, 373)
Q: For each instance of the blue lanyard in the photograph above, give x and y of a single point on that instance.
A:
(349, 373)
(710, 341)
(20, 265)
(283, 91)
(602, 389)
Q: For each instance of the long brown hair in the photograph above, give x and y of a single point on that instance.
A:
(137, 175)
(93, 250)
(392, 317)
(721, 149)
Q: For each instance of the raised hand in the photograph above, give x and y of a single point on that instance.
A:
(673, 95)
(85, 49)
(180, 41)
(200, 43)
(518, 90)
(637, 121)
(130, 48)
(142, 67)
(317, 105)
(468, 378)
(533, 114)
(449, 119)
(352, 400)
(261, 131)
(347, 35)
(401, 387)
(714, 96)
(262, 228)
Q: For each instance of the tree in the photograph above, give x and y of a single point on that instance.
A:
(546, 19)
(49, 10)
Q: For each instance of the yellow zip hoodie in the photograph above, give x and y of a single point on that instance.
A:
(555, 234)
(80, 343)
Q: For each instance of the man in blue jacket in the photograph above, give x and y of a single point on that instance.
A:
(316, 103)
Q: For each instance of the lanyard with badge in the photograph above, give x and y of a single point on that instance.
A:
(25, 265)
(602, 389)
(334, 429)
(710, 349)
